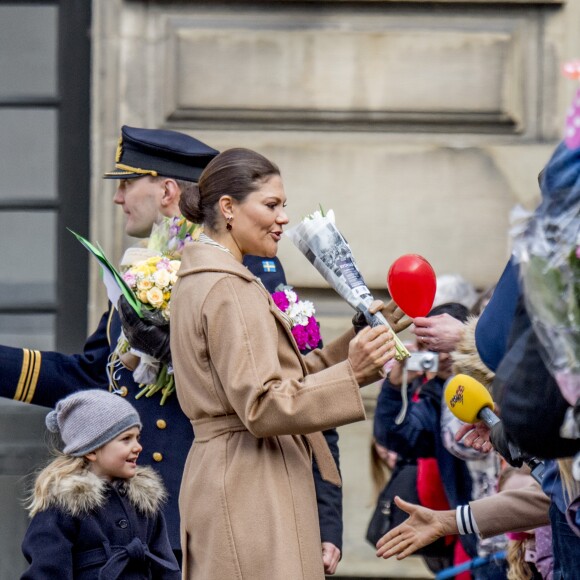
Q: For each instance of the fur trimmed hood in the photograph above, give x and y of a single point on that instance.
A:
(466, 358)
(79, 491)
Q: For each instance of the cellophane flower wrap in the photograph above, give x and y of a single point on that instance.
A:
(304, 326)
(547, 247)
(151, 273)
(318, 238)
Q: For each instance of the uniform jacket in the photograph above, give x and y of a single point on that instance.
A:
(86, 528)
(247, 499)
(43, 378)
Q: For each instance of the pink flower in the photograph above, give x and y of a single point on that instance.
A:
(313, 331)
(301, 336)
(280, 300)
(130, 278)
(578, 252)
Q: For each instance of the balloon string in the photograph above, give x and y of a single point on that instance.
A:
(404, 394)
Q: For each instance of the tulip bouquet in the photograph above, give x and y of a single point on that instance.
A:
(318, 238)
(304, 326)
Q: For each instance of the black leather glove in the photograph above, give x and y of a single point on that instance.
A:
(502, 445)
(143, 334)
(359, 321)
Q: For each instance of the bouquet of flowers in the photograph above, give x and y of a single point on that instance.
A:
(304, 326)
(318, 238)
(152, 281)
(547, 247)
(151, 273)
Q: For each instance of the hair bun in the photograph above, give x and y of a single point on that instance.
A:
(51, 422)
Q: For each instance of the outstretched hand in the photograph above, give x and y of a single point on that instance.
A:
(422, 528)
(476, 436)
(439, 333)
(144, 335)
(396, 318)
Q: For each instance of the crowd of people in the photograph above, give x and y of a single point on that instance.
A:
(239, 469)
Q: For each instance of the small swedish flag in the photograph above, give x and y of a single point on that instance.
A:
(268, 266)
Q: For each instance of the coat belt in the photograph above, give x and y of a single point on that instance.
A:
(210, 427)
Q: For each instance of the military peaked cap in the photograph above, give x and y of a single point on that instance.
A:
(159, 152)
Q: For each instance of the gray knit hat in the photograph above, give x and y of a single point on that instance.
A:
(86, 420)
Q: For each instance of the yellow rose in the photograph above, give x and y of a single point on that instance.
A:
(162, 278)
(144, 284)
(174, 265)
(142, 295)
(155, 297)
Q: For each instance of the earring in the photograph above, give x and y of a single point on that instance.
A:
(228, 224)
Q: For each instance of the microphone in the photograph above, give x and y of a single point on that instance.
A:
(471, 402)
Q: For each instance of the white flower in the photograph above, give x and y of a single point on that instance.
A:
(300, 312)
(162, 278)
(291, 296)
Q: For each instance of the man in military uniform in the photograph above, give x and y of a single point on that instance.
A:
(153, 168)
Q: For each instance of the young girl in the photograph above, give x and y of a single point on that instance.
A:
(95, 514)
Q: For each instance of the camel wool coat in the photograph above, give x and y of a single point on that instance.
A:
(247, 501)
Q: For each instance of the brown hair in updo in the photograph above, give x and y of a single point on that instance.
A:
(235, 172)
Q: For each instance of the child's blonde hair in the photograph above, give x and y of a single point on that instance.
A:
(518, 568)
(50, 477)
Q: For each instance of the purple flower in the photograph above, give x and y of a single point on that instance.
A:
(280, 300)
(578, 252)
(301, 336)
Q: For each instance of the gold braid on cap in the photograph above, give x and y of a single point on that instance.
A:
(119, 151)
(130, 169)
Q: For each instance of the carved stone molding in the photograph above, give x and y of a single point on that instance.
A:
(370, 72)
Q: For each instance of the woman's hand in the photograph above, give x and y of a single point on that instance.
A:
(369, 351)
(422, 528)
(330, 558)
(439, 333)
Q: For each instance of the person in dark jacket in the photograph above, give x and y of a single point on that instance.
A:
(95, 514)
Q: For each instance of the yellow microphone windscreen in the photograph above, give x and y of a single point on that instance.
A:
(466, 397)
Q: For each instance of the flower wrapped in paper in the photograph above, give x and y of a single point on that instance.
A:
(547, 247)
(318, 238)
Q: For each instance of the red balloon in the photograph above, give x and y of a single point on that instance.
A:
(412, 284)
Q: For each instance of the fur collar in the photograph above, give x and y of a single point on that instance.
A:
(82, 491)
(466, 358)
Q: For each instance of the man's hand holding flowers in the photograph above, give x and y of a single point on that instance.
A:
(145, 335)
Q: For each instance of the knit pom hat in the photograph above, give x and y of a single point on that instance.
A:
(89, 419)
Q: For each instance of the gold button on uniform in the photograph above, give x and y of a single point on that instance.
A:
(157, 456)
(123, 391)
(161, 424)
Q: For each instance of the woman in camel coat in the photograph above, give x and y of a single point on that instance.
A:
(247, 501)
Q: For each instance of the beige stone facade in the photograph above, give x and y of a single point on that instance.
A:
(420, 123)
